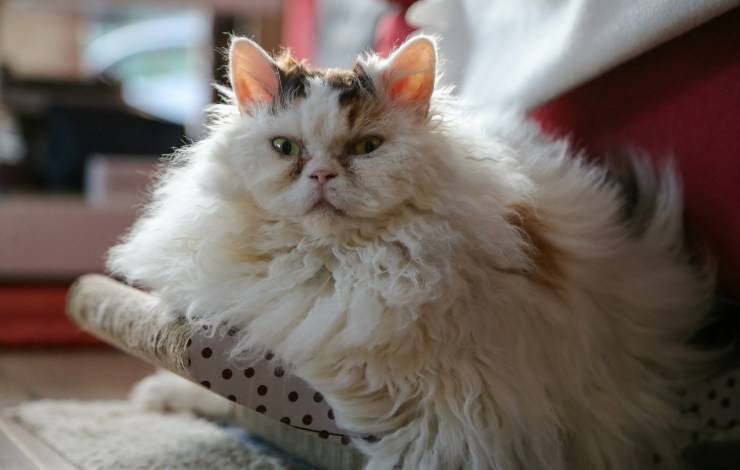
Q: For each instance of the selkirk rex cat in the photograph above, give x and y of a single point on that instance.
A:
(478, 295)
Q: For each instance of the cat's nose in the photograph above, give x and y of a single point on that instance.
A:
(322, 176)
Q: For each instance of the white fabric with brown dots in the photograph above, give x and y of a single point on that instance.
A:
(264, 385)
(261, 384)
(713, 406)
(710, 408)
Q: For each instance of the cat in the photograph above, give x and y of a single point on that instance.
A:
(472, 291)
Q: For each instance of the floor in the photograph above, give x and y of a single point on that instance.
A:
(84, 374)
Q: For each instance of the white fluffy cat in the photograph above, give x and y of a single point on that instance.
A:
(476, 294)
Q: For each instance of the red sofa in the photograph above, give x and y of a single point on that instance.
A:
(681, 100)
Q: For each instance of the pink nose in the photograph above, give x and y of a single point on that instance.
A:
(322, 176)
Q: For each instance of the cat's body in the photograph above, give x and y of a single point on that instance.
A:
(478, 299)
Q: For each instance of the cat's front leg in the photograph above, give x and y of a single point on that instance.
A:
(164, 391)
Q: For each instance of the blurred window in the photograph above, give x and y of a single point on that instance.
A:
(160, 57)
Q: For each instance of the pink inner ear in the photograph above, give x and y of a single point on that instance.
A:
(251, 91)
(409, 77)
(414, 88)
(254, 75)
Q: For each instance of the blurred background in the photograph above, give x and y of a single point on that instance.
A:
(93, 92)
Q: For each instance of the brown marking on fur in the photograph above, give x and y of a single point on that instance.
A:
(356, 90)
(247, 255)
(296, 167)
(357, 93)
(365, 112)
(292, 80)
(340, 79)
(294, 77)
(544, 255)
(363, 78)
(352, 114)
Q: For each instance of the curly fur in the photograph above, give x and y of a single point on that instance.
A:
(482, 299)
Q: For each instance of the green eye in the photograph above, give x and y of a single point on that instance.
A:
(366, 145)
(286, 146)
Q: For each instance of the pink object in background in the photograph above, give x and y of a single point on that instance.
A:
(300, 23)
(299, 28)
(393, 28)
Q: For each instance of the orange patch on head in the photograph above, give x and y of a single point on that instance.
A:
(363, 112)
(356, 95)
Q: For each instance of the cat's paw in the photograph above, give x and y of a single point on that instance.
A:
(167, 392)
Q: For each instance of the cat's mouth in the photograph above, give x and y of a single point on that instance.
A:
(322, 205)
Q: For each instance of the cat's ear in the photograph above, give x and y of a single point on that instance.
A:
(253, 74)
(410, 72)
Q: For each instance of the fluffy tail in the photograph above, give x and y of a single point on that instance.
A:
(653, 199)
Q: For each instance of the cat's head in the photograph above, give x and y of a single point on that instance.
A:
(331, 146)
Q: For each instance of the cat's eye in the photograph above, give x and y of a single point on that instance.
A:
(366, 145)
(287, 147)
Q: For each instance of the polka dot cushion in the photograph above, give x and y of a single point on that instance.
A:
(712, 407)
(264, 386)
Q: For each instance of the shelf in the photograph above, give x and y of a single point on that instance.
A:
(57, 237)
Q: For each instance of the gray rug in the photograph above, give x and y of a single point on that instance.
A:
(117, 435)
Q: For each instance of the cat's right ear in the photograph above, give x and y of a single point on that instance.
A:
(253, 74)
(410, 72)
